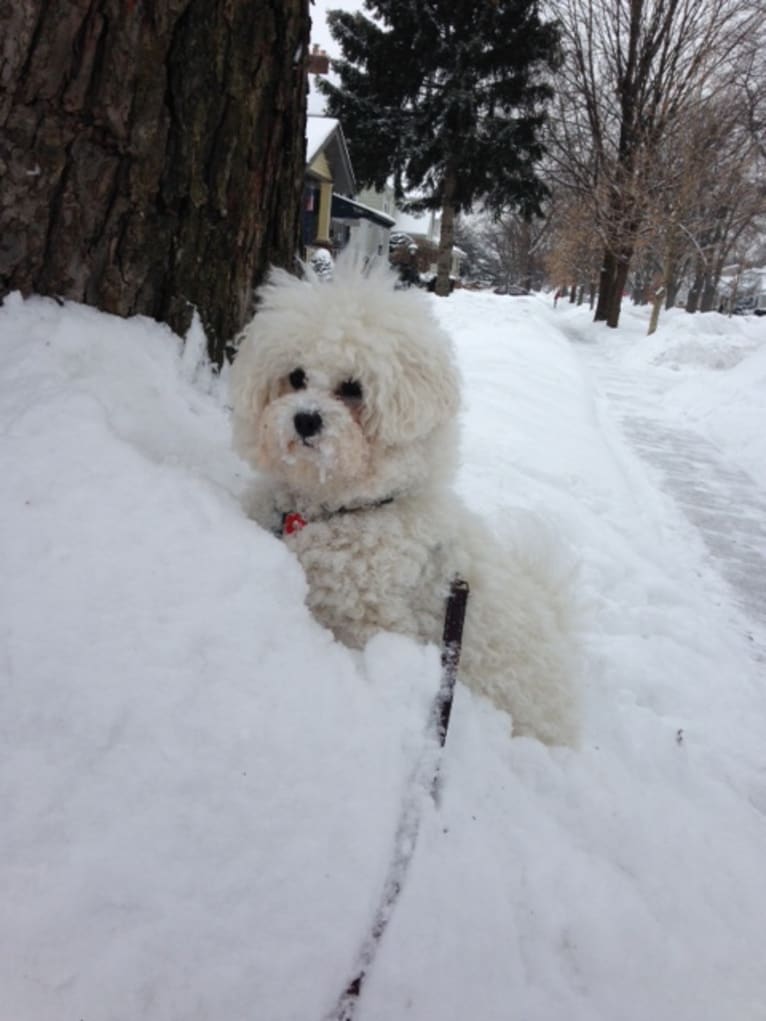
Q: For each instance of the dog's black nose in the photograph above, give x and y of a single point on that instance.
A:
(307, 423)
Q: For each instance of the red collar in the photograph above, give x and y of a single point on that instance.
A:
(294, 521)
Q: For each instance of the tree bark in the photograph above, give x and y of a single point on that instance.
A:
(443, 285)
(657, 301)
(695, 291)
(672, 264)
(709, 293)
(673, 285)
(152, 154)
(618, 288)
(605, 286)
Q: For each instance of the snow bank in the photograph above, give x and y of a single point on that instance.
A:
(707, 372)
(187, 757)
(199, 787)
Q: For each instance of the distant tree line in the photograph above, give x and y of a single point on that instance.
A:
(656, 150)
(152, 155)
(644, 136)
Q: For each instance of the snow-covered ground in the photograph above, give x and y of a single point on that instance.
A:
(199, 788)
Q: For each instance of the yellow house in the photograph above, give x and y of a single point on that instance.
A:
(332, 218)
(328, 171)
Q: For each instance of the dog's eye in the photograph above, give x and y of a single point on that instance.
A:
(297, 379)
(349, 390)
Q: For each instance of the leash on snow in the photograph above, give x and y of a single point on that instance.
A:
(425, 777)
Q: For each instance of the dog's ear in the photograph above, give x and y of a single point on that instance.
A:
(421, 392)
(252, 373)
(249, 390)
(249, 386)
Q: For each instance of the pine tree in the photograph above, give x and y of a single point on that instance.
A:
(448, 97)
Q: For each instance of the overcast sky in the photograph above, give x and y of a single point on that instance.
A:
(321, 34)
(319, 31)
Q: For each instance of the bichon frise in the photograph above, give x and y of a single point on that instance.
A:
(345, 399)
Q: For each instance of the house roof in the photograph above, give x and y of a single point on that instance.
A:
(349, 209)
(324, 134)
(423, 224)
(318, 131)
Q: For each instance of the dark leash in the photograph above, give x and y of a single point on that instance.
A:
(452, 640)
(425, 778)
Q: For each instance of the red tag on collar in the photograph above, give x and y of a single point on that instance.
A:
(293, 523)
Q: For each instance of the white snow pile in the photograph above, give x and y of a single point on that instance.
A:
(199, 787)
(710, 341)
(707, 371)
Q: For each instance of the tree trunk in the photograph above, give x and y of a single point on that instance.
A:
(672, 268)
(695, 291)
(620, 280)
(605, 286)
(443, 285)
(525, 252)
(654, 319)
(152, 154)
(672, 288)
(709, 293)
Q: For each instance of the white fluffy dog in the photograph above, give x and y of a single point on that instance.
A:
(345, 399)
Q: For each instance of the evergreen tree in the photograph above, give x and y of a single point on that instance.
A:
(448, 97)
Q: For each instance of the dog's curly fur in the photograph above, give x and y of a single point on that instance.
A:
(345, 399)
